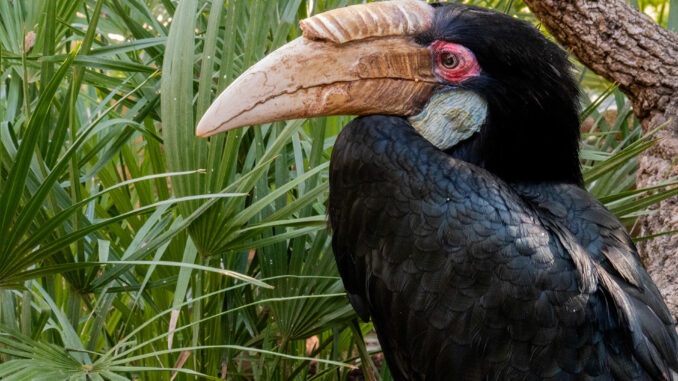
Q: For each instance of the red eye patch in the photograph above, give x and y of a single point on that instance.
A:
(453, 62)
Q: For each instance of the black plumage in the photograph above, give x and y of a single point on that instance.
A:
(489, 261)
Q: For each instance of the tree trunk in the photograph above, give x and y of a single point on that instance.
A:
(626, 47)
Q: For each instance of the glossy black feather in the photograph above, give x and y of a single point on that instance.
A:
(468, 277)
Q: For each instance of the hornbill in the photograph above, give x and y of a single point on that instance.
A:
(460, 223)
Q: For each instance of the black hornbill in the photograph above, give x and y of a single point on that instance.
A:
(460, 224)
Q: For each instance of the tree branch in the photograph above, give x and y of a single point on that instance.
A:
(619, 43)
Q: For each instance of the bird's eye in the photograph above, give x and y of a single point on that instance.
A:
(449, 60)
(453, 63)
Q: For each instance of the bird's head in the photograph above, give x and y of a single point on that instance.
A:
(482, 86)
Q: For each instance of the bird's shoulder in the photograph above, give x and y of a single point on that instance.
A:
(391, 182)
(600, 233)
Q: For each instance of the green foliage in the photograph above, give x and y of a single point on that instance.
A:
(131, 249)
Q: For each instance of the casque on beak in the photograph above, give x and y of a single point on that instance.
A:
(357, 60)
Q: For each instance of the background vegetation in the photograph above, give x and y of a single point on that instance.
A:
(129, 249)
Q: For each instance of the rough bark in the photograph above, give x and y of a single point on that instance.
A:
(625, 46)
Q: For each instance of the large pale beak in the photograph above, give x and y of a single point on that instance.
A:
(357, 60)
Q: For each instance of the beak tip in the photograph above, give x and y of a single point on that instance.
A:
(203, 130)
(216, 119)
(210, 123)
